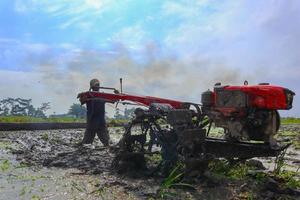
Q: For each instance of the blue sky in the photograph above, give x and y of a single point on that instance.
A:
(174, 49)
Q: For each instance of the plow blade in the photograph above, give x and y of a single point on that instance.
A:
(241, 150)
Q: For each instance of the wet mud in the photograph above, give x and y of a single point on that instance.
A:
(69, 171)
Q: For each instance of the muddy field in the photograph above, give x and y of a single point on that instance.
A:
(49, 165)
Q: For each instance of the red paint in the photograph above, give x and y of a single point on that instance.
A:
(263, 96)
(259, 96)
(144, 100)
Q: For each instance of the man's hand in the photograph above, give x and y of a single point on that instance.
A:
(82, 98)
(116, 91)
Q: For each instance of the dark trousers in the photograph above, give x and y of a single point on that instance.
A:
(90, 134)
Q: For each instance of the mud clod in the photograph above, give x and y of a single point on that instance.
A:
(129, 162)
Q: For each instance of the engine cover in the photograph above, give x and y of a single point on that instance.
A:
(256, 96)
(248, 111)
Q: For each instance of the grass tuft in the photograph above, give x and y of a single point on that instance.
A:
(173, 180)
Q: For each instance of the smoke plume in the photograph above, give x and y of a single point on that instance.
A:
(67, 73)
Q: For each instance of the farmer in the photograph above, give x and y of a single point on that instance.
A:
(95, 117)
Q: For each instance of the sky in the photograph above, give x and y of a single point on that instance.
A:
(49, 50)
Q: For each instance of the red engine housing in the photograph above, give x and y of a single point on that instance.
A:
(235, 99)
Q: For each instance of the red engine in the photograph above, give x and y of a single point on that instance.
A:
(247, 111)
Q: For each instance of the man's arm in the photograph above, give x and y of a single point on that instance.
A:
(84, 98)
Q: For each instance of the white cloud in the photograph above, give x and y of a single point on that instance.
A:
(82, 12)
(97, 4)
(134, 37)
(204, 26)
(58, 6)
(247, 34)
(186, 9)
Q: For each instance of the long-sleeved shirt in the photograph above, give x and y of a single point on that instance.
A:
(96, 113)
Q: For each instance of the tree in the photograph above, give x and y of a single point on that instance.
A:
(31, 110)
(22, 107)
(40, 111)
(118, 114)
(78, 110)
(128, 113)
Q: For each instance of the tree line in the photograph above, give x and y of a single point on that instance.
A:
(24, 107)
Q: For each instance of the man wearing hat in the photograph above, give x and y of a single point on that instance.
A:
(95, 117)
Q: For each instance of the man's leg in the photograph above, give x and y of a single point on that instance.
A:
(103, 136)
(89, 136)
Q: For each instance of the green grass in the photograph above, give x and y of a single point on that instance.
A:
(240, 171)
(5, 144)
(223, 168)
(288, 179)
(279, 162)
(26, 119)
(290, 120)
(296, 144)
(5, 165)
(173, 180)
(117, 121)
